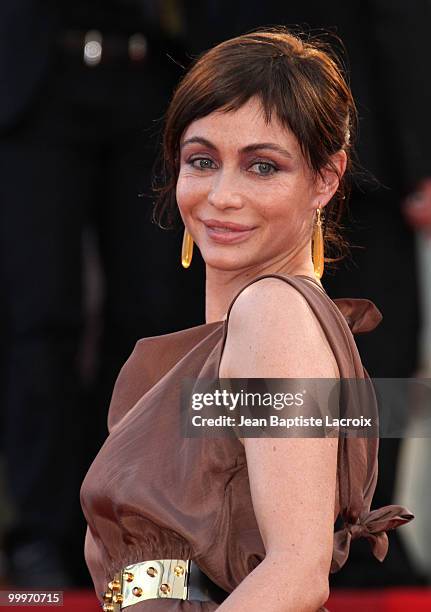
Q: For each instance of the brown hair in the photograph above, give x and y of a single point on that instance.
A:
(300, 80)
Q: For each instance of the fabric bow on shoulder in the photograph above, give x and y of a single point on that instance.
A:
(361, 315)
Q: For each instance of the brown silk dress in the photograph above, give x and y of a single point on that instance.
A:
(152, 494)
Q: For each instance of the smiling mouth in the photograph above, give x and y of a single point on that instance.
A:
(221, 234)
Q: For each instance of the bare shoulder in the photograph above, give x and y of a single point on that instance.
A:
(273, 332)
(268, 297)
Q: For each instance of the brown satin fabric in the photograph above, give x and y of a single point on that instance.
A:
(152, 494)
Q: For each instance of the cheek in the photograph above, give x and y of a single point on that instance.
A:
(279, 207)
(285, 215)
(188, 193)
(292, 202)
(184, 195)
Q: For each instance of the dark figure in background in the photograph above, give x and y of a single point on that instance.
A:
(387, 56)
(77, 143)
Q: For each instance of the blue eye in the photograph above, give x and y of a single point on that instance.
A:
(265, 168)
(203, 163)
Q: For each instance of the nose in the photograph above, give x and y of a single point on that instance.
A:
(225, 191)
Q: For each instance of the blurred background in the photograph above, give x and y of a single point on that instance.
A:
(84, 272)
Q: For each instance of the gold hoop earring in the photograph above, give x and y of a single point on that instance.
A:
(187, 249)
(318, 247)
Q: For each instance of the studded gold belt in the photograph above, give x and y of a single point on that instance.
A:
(158, 579)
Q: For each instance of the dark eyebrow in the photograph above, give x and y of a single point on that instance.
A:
(247, 149)
(267, 145)
(199, 140)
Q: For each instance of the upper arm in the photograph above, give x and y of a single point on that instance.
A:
(274, 334)
(292, 484)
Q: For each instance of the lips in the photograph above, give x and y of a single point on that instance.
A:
(226, 232)
(227, 226)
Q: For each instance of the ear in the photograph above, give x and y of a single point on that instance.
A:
(328, 179)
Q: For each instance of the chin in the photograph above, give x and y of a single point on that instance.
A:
(228, 262)
(231, 266)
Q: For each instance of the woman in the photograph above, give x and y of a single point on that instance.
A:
(256, 146)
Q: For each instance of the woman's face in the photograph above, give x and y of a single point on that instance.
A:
(245, 191)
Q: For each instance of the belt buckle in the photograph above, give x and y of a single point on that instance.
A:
(155, 579)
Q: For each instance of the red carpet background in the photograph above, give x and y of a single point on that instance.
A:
(388, 600)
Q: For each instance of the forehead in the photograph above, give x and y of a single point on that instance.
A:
(244, 126)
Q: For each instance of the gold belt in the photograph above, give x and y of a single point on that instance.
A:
(156, 579)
